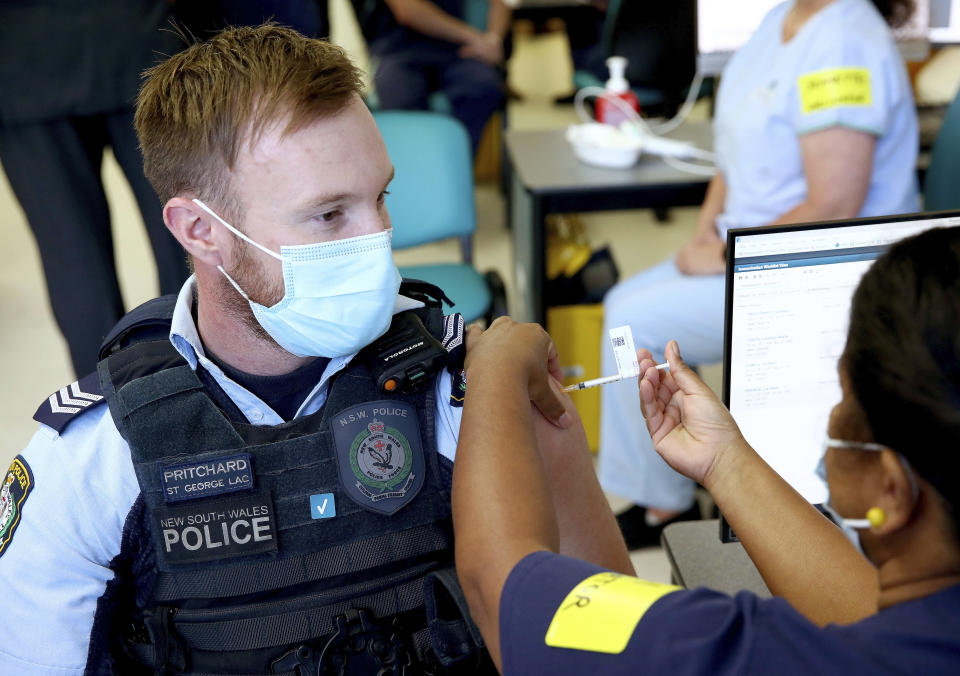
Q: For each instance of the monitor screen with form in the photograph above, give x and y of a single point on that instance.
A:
(788, 299)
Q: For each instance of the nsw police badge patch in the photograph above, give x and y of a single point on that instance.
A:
(379, 454)
(16, 486)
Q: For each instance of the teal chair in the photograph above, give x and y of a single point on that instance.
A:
(941, 186)
(431, 199)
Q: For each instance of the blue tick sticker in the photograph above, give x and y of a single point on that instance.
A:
(322, 506)
(204, 478)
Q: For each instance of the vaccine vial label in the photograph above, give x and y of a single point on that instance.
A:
(621, 340)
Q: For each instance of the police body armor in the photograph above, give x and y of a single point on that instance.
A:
(320, 546)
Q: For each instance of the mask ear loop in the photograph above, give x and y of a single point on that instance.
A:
(912, 477)
(856, 445)
(233, 283)
(237, 232)
(241, 236)
(876, 517)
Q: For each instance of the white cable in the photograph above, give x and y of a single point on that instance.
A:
(633, 116)
(689, 167)
(684, 112)
(701, 154)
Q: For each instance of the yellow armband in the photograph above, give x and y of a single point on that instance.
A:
(833, 87)
(601, 613)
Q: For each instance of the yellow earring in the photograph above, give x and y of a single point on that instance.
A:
(876, 516)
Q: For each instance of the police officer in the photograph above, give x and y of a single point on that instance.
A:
(256, 479)
(892, 478)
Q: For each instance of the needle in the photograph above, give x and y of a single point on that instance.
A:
(596, 382)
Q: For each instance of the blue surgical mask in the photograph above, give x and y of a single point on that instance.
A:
(338, 296)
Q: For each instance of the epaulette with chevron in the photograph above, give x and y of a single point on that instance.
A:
(454, 341)
(68, 402)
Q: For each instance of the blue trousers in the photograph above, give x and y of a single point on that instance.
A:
(659, 304)
(54, 170)
(405, 78)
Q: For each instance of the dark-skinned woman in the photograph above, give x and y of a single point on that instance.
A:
(891, 466)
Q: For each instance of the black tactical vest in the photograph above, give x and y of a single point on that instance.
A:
(320, 546)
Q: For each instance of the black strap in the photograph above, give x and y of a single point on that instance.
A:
(454, 635)
(425, 292)
(219, 397)
(275, 625)
(144, 653)
(149, 321)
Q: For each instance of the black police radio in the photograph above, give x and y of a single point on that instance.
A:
(405, 356)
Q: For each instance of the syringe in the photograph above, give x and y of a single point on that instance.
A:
(596, 382)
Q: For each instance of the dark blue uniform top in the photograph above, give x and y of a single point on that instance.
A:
(705, 632)
(385, 35)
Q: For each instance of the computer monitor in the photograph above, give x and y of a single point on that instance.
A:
(945, 22)
(721, 31)
(787, 307)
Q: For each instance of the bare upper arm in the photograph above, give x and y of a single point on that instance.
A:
(837, 164)
(401, 9)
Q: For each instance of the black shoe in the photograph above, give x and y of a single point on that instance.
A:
(637, 533)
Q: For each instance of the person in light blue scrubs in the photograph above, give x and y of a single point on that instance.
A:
(815, 120)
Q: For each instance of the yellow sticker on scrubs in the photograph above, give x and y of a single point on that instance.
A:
(834, 87)
(601, 612)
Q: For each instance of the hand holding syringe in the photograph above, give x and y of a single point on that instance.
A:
(621, 339)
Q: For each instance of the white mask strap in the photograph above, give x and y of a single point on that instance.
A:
(870, 446)
(238, 234)
(859, 445)
(235, 285)
(914, 484)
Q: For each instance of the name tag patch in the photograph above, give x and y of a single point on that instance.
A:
(17, 484)
(834, 87)
(379, 454)
(217, 529)
(601, 613)
(205, 478)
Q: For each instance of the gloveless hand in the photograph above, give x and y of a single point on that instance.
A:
(512, 354)
(702, 256)
(486, 47)
(689, 426)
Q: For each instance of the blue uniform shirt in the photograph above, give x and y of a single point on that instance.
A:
(57, 564)
(704, 632)
(841, 69)
(385, 35)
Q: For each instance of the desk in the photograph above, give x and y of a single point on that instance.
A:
(699, 559)
(546, 178)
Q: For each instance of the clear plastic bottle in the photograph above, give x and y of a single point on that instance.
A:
(607, 111)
